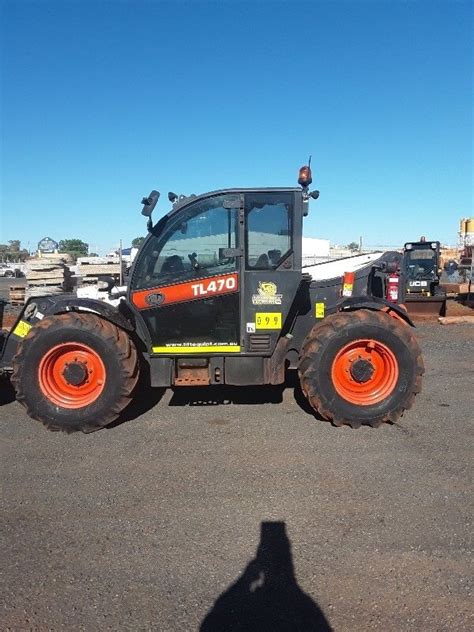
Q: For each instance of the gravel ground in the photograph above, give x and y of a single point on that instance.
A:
(245, 514)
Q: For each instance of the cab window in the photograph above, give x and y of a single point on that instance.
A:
(190, 245)
(420, 262)
(268, 229)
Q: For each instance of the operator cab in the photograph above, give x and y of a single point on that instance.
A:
(218, 276)
(198, 263)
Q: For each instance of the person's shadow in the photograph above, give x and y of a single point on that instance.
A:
(267, 597)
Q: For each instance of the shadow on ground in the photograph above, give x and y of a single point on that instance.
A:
(146, 398)
(241, 395)
(214, 395)
(267, 598)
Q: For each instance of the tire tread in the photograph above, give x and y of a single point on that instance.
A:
(124, 348)
(315, 342)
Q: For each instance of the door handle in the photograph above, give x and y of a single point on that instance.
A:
(229, 253)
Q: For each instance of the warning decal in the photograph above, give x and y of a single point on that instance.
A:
(22, 329)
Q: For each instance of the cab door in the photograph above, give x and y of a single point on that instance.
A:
(186, 283)
(272, 267)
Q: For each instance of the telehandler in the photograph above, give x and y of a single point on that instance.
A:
(217, 295)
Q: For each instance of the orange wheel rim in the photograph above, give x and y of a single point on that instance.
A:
(364, 372)
(72, 375)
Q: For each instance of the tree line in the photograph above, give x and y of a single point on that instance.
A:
(13, 252)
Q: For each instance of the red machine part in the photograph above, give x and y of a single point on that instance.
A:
(348, 284)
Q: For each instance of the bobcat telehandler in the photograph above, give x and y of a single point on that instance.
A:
(217, 295)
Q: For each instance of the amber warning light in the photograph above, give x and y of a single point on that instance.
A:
(304, 176)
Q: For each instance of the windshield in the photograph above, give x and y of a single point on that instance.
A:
(189, 245)
(420, 263)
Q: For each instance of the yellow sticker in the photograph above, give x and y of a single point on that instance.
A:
(22, 329)
(319, 310)
(268, 320)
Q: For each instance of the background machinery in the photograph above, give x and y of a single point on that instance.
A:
(217, 295)
(421, 272)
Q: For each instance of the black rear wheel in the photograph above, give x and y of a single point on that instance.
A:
(75, 371)
(361, 368)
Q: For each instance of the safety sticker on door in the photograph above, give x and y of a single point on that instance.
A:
(268, 320)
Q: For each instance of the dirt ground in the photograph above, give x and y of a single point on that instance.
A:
(459, 308)
(235, 509)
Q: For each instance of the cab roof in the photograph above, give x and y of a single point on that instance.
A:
(184, 200)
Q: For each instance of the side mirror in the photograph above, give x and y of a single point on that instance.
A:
(149, 203)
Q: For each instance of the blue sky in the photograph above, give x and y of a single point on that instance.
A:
(103, 101)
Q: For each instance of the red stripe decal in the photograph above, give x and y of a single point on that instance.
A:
(188, 291)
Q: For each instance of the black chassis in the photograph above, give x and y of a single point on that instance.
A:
(265, 355)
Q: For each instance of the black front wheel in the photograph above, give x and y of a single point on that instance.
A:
(75, 371)
(361, 368)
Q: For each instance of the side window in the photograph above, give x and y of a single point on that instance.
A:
(268, 229)
(190, 246)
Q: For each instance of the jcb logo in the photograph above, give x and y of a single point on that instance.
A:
(418, 283)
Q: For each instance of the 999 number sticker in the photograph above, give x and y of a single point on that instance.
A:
(268, 320)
